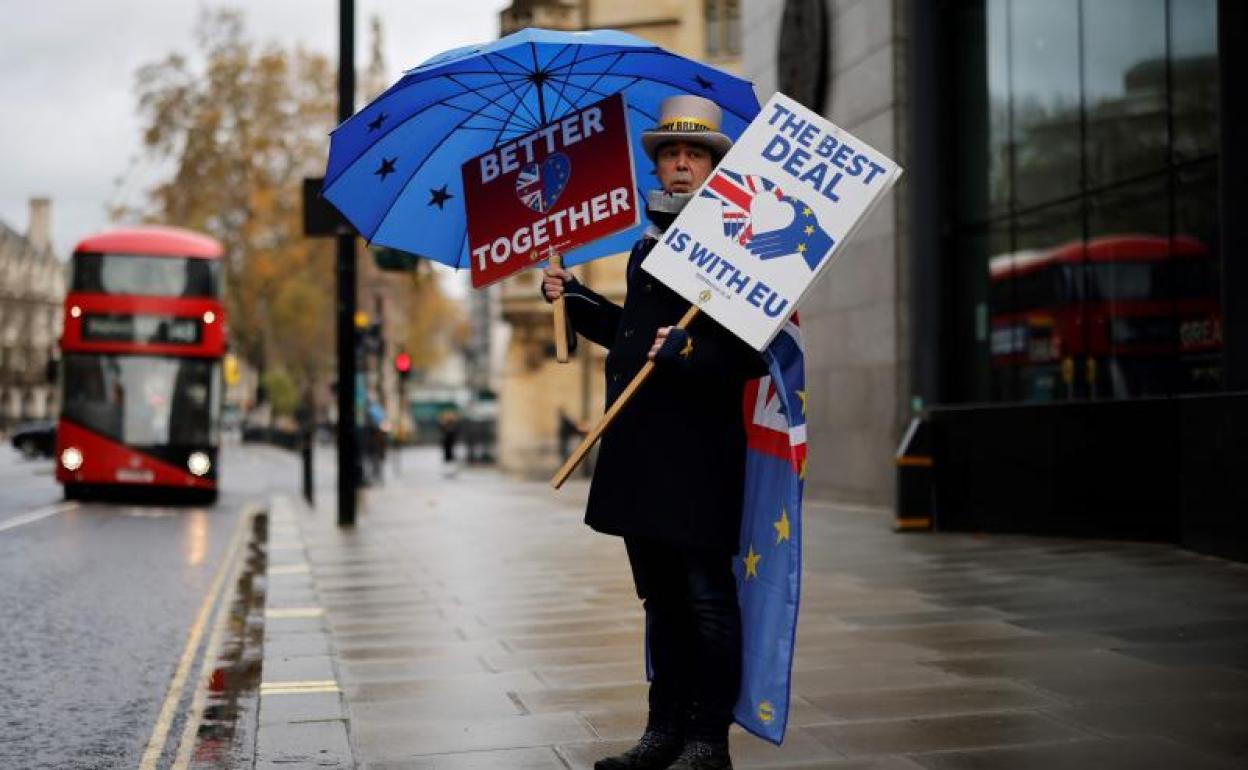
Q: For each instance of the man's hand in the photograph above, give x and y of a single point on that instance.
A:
(671, 343)
(659, 338)
(553, 279)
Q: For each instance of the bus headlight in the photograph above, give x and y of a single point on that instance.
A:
(71, 459)
(198, 463)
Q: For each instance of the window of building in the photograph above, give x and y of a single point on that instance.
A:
(723, 27)
(1085, 243)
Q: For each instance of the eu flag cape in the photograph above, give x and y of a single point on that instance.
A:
(769, 567)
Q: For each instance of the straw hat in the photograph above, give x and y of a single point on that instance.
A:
(687, 118)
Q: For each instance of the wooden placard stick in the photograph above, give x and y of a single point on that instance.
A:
(592, 437)
(561, 327)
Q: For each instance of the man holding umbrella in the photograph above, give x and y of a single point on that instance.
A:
(671, 469)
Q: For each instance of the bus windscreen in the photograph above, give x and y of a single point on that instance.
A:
(143, 400)
(133, 274)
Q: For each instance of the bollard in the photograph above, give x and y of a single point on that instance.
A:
(308, 489)
(914, 478)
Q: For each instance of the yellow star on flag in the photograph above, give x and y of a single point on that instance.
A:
(751, 560)
(801, 474)
(782, 526)
(766, 712)
(802, 395)
(806, 211)
(688, 348)
(801, 248)
(809, 229)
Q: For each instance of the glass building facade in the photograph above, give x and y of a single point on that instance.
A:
(1081, 248)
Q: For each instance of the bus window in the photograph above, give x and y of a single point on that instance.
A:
(142, 400)
(146, 276)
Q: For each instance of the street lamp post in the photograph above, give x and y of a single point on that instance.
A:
(347, 441)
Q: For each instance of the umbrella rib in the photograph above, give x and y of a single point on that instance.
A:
(411, 177)
(442, 102)
(601, 75)
(519, 99)
(562, 93)
(620, 54)
(604, 94)
(541, 103)
(575, 51)
(479, 112)
(523, 68)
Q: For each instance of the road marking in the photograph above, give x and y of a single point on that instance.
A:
(207, 666)
(160, 731)
(36, 515)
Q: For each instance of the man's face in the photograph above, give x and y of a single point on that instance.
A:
(682, 167)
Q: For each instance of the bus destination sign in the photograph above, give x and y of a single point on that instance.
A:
(142, 329)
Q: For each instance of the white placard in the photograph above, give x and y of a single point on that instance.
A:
(771, 218)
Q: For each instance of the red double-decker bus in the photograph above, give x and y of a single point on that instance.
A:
(1118, 316)
(141, 365)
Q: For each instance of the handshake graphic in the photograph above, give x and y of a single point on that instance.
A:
(760, 217)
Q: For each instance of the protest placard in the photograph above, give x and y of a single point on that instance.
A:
(771, 218)
(544, 193)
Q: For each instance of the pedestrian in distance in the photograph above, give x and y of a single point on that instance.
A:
(448, 425)
(670, 475)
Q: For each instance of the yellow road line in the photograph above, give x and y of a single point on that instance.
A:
(160, 731)
(36, 515)
(195, 716)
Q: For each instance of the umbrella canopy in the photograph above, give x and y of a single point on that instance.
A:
(394, 167)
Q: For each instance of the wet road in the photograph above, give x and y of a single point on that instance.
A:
(97, 602)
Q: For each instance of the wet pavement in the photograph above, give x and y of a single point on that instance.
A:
(474, 622)
(100, 603)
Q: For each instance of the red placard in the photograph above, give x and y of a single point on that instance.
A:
(566, 184)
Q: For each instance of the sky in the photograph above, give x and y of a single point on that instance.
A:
(70, 129)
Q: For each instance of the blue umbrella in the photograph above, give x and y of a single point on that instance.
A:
(394, 167)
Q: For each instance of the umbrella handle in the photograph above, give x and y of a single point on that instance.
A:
(561, 327)
(592, 437)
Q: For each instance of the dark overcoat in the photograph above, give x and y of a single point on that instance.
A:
(672, 464)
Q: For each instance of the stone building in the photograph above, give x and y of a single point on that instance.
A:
(32, 288)
(533, 387)
(843, 58)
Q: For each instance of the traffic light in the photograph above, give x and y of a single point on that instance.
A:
(403, 363)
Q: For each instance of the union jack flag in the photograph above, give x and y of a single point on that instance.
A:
(736, 194)
(769, 568)
(538, 185)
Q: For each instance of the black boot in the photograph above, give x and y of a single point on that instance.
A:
(703, 755)
(655, 751)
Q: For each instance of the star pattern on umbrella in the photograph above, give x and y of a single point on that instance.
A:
(375, 123)
(386, 168)
(703, 83)
(439, 197)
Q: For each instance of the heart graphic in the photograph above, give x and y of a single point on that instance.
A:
(538, 186)
(768, 213)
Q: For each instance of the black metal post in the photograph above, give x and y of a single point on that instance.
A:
(309, 492)
(348, 445)
(1233, 191)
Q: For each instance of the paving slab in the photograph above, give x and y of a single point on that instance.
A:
(475, 622)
